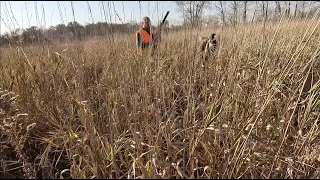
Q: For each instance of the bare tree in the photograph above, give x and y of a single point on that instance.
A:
(265, 12)
(220, 6)
(232, 12)
(278, 8)
(245, 11)
(234, 7)
(254, 12)
(192, 10)
(295, 9)
(303, 7)
(288, 8)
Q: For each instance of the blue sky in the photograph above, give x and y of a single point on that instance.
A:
(24, 14)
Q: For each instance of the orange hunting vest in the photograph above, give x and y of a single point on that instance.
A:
(145, 38)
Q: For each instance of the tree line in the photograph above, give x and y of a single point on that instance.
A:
(62, 32)
(238, 12)
(70, 32)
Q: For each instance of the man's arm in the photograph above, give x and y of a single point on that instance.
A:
(155, 39)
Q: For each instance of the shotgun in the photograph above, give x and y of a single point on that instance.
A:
(159, 30)
(162, 23)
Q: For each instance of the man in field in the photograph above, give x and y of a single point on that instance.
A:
(145, 37)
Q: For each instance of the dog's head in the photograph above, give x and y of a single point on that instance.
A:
(211, 40)
(212, 36)
(207, 40)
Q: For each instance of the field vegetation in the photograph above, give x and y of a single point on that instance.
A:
(96, 109)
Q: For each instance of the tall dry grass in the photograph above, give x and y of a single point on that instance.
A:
(96, 109)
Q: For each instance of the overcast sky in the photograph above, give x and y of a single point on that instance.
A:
(23, 14)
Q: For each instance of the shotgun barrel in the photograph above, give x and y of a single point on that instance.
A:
(164, 19)
(161, 24)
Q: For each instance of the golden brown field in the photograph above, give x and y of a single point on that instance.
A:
(95, 109)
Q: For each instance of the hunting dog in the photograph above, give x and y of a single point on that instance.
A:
(208, 46)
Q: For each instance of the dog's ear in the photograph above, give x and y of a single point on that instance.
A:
(212, 35)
